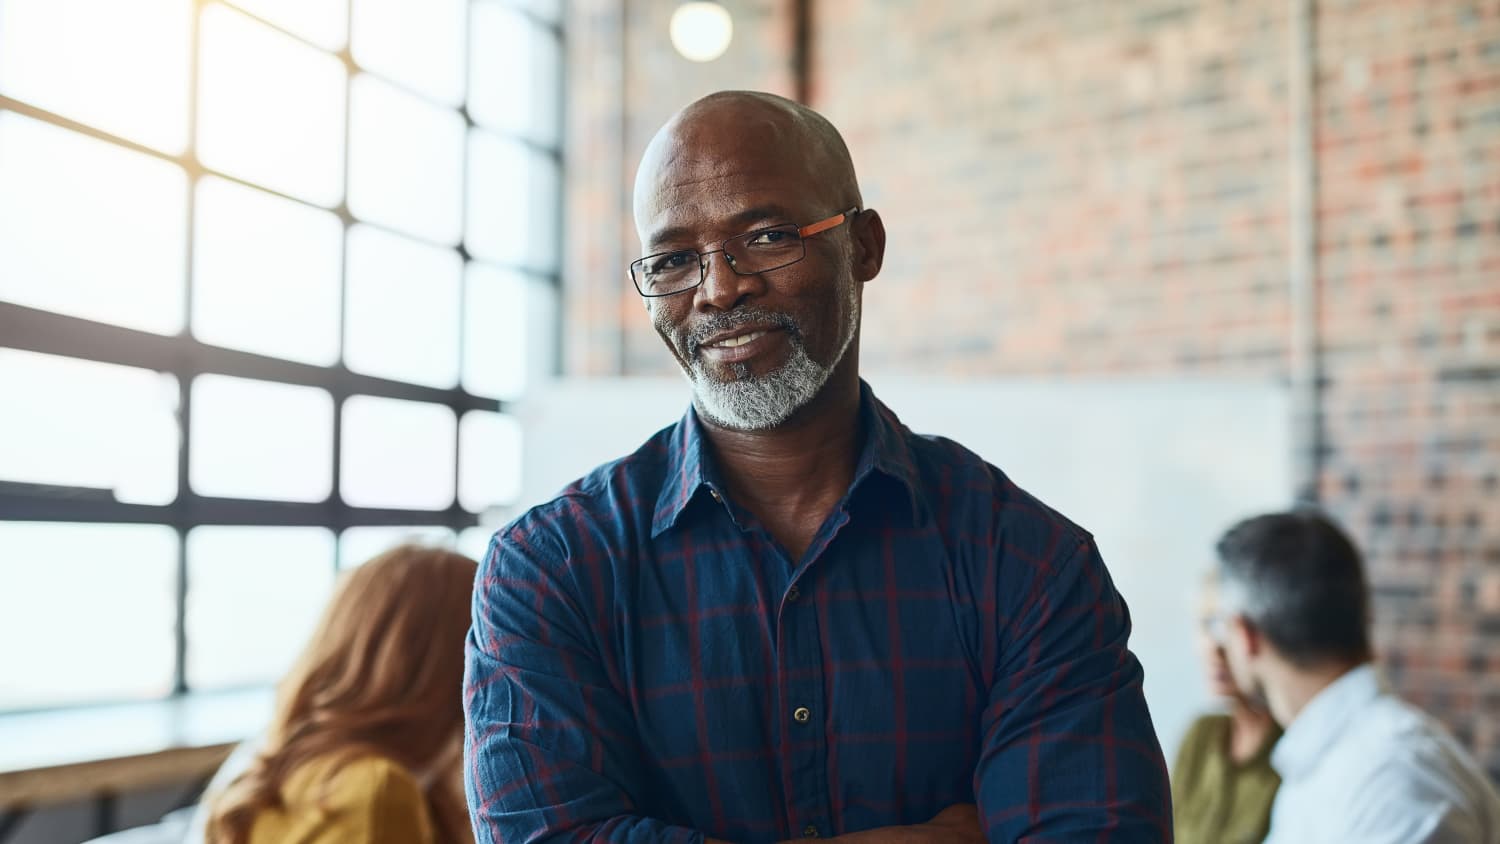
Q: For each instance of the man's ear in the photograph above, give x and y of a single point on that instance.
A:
(869, 244)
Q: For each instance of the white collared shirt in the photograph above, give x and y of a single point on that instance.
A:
(1360, 766)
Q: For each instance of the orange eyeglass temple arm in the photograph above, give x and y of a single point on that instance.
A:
(824, 225)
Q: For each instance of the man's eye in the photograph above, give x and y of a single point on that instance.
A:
(674, 261)
(771, 238)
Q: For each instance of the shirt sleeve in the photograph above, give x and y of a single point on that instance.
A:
(1069, 752)
(551, 746)
(1398, 804)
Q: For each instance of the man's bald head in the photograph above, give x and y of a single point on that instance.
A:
(731, 130)
(758, 344)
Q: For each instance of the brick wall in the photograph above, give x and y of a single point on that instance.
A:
(1101, 186)
(1076, 187)
(1409, 279)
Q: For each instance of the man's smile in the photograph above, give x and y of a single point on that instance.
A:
(742, 344)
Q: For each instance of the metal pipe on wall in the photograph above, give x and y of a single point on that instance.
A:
(802, 50)
(1302, 241)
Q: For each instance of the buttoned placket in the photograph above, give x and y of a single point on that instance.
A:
(800, 665)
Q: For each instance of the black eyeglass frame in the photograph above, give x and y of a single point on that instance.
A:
(802, 232)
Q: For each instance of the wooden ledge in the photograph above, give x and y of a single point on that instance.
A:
(37, 787)
(67, 755)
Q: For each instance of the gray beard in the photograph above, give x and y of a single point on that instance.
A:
(751, 403)
(759, 403)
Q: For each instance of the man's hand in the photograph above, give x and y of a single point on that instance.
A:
(958, 824)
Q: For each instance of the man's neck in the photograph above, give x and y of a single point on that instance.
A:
(793, 475)
(1291, 689)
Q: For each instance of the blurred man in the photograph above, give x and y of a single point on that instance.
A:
(1356, 763)
(787, 616)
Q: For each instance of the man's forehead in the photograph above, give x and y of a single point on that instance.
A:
(704, 189)
(688, 161)
(727, 153)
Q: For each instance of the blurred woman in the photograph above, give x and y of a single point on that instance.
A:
(366, 741)
(1223, 784)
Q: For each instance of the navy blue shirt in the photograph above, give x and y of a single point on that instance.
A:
(647, 663)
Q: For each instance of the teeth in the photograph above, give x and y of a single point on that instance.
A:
(741, 340)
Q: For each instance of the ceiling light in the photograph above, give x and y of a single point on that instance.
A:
(701, 32)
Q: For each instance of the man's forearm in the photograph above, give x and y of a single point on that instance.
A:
(957, 824)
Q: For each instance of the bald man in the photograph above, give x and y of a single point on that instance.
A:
(786, 615)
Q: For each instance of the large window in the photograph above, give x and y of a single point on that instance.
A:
(271, 272)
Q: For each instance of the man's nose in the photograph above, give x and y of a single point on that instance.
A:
(722, 287)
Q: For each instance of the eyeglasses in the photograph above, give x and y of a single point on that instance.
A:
(760, 251)
(1216, 627)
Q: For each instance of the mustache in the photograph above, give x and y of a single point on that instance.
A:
(731, 320)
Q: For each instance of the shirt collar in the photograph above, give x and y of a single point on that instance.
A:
(690, 465)
(887, 450)
(684, 477)
(1323, 720)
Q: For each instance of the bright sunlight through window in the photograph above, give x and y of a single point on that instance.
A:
(278, 268)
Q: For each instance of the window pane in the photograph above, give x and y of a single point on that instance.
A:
(547, 10)
(95, 606)
(397, 454)
(516, 69)
(120, 67)
(474, 542)
(270, 108)
(359, 545)
(266, 274)
(418, 43)
(406, 162)
(403, 308)
(258, 439)
(323, 22)
(489, 469)
(512, 203)
(254, 597)
(508, 331)
(90, 229)
(79, 423)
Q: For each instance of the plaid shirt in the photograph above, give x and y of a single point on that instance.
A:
(647, 664)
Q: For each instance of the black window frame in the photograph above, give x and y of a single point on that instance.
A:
(185, 357)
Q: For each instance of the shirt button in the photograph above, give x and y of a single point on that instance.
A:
(715, 494)
(809, 831)
(802, 715)
(793, 594)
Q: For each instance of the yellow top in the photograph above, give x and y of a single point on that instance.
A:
(372, 800)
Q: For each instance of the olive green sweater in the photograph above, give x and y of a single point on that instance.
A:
(1214, 799)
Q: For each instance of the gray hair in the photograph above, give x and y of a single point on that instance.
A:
(1298, 578)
